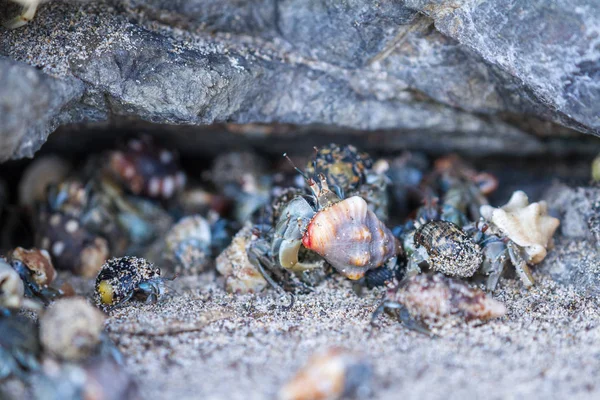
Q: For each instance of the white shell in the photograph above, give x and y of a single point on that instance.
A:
(528, 225)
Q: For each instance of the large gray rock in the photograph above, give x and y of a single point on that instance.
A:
(387, 65)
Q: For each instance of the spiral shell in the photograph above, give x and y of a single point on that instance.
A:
(451, 251)
(350, 237)
(438, 299)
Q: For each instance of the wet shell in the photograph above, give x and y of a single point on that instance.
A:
(119, 279)
(350, 237)
(331, 374)
(438, 298)
(451, 251)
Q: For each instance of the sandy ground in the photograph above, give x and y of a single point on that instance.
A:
(205, 343)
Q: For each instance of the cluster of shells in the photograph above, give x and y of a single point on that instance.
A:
(424, 232)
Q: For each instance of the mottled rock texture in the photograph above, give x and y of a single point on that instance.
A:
(494, 71)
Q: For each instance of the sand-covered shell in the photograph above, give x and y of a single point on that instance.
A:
(70, 328)
(343, 166)
(528, 225)
(438, 299)
(331, 374)
(233, 263)
(120, 278)
(188, 244)
(451, 251)
(350, 237)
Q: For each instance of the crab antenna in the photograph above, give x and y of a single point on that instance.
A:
(294, 166)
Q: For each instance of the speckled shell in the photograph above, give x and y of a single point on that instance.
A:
(343, 166)
(124, 275)
(147, 169)
(451, 251)
(438, 298)
(350, 237)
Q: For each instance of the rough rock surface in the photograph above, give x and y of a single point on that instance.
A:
(464, 69)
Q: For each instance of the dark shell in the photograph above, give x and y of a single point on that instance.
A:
(450, 250)
(70, 244)
(147, 169)
(343, 166)
(124, 276)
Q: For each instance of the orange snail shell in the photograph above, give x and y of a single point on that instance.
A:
(350, 237)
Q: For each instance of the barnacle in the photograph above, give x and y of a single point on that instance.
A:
(528, 225)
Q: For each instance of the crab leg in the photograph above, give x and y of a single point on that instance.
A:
(516, 257)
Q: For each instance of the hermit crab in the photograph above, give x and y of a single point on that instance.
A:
(343, 231)
(427, 300)
(446, 248)
(518, 232)
(122, 279)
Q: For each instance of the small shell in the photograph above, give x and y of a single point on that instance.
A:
(451, 251)
(42, 172)
(333, 374)
(233, 263)
(188, 245)
(71, 246)
(11, 287)
(350, 237)
(147, 169)
(38, 262)
(528, 225)
(70, 328)
(437, 299)
(119, 279)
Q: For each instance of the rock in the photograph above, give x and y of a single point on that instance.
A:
(578, 209)
(443, 77)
